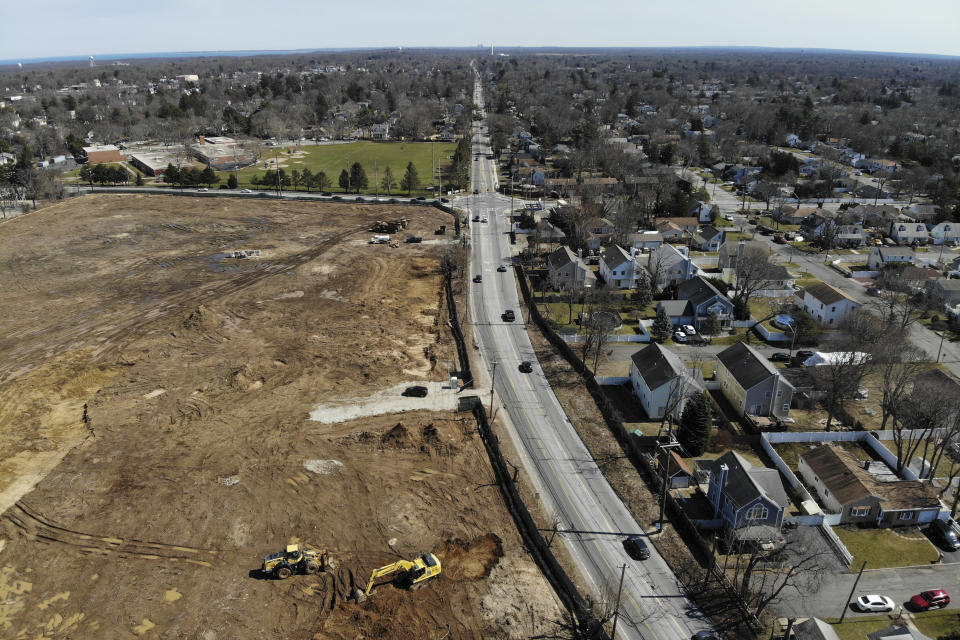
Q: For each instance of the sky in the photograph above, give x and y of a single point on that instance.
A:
(99, 27)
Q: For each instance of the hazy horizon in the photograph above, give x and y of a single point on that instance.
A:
(177, 26)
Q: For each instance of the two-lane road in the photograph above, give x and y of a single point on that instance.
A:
(555, 460)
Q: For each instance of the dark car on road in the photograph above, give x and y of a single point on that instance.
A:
(803, 354)
(526, 366)
(780, 356)
(476, 191)
(414, 239)
(933, 599)
(476, 218)
(415, 392)
(508, 316)
(636, 548)
(478, 278)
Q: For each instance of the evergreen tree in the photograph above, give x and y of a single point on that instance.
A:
(695, 424)
(139, 180)
(171, 175)
(644, 293)
(358, 177)
(662, 328)
(306, 178)
(321, 180)
(232, 181)
(410, 179)
(344, 180)
(209, 177)
(712, 325)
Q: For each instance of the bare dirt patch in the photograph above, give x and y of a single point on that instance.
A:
(174, 387)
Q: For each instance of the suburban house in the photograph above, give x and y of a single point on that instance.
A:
(827, 305)
(946, 291)
(657, 375)
(851, 235)
(708, 238)
(921, 211)
(668, 266)
(874, 165)
(743, 495)
(696, 300)
(677, 228)
(701, 211)
(599, 232)
(814, 224)
(730, 251)
(945, 232)
(751, 384)
(898, 632)
(844, 486)
(882, 256)
(909, 232)
(618, 269)
(876, 215)
(545, 231)
(568, 271)
(814, 629)
(380, 131)
(645, 240)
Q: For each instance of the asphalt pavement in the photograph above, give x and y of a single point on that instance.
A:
(553, 458)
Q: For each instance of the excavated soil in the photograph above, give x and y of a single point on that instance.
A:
(155, 438)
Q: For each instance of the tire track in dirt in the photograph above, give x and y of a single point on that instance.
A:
(125, 329)
(39, 528)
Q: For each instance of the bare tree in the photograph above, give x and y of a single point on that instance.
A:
(898, 365)
(899, 309)
(753, 271)
(929, 412)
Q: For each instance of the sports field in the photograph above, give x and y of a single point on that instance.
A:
(374, 156)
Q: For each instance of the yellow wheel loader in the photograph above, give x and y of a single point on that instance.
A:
(411, 573)
(295, 559)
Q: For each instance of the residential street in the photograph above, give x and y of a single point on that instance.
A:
(553, 458)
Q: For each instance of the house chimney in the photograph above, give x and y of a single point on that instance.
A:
(580, 253)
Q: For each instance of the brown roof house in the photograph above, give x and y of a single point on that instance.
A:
(844, 486)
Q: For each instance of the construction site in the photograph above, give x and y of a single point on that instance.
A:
(204, 431)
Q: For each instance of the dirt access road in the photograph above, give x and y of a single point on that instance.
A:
(155, 401)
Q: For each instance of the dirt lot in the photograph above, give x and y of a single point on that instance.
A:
(156, 395)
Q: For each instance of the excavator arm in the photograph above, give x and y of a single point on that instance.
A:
(399, 565)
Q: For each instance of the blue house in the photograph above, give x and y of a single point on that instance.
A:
(743, 495)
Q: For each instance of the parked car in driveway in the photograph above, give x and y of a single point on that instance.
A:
(933, 599)
(636, 548)
(780, 356)
(679, 336)
(875, 603)
(687, 329)
(944, 532)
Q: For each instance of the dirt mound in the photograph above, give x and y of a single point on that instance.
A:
(398, 436)
(203, 319)
(472, 560)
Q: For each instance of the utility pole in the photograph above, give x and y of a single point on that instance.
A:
(493, 378)
(616, 611)
(663, 494)
(846, 605)
(376, 178)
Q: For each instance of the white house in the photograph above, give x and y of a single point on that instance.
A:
(945, 232)
(646, 240)
(668, 266)
(618, 268)
(906, 232)
(659, 380)
(851, 235)
(568, 271)
(827, 305)
(882, 256)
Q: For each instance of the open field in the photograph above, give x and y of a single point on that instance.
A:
(155, 421)
(333, 158)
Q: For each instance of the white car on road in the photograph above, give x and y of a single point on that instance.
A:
(875, 603)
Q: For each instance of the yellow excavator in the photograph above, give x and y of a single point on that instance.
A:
(411, 572)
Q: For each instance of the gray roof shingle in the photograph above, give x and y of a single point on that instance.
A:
(657, 365)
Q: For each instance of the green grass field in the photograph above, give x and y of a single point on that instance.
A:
(331, 159)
